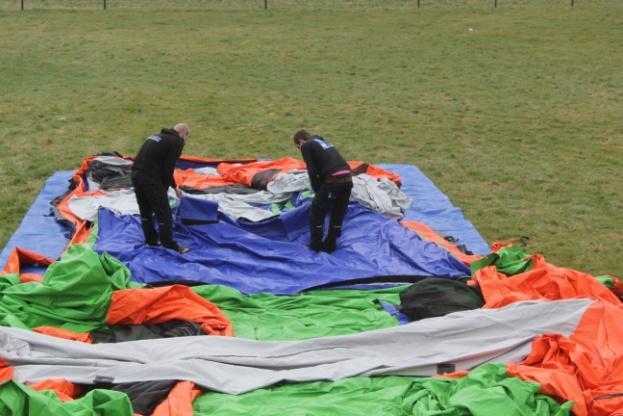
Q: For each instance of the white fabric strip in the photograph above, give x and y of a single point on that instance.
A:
(233, 365)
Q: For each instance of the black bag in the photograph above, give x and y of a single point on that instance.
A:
(437, 297)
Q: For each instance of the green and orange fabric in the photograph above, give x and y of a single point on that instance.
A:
(20, 258)
(17, 399)
(509, 260)
(585, 368)
(85, 291)
(142, 306)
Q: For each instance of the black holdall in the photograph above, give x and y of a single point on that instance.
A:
(437, 296)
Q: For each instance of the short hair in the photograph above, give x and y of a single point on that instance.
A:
(181, 127)
(301, 135)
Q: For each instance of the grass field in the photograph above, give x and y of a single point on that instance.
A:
(519, 121)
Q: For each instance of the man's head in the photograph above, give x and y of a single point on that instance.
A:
(183, 130)
(301, 137)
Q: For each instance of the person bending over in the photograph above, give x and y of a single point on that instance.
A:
(332, 183)
(152, 175)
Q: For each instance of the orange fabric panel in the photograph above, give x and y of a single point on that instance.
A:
(599, 345)
(142, 306)
(64, 389)
(244, 173)
(543, 281)
(19, 257)
(378, 172)
(428, 234)
(81, 234)
(30, 277)
(498, 245)
(587, 367)
(6, 371)
(210, 160)
(357, 166)
(82, 230)
(455, 374)
(180, 400)
(64, 333)
(191, 179)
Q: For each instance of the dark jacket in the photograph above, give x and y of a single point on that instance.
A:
(322, 159)
(157, 157)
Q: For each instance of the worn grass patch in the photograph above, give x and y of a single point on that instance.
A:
(519, 120)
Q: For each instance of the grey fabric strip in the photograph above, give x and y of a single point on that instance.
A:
(380, 195)
(234, 365)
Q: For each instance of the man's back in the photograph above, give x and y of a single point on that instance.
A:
(324, 156)
(158, 155)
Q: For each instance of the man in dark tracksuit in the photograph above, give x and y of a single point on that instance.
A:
(331, 181)
(152, 175)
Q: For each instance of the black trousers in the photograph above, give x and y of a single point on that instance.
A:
(152, 199)
(332, 197)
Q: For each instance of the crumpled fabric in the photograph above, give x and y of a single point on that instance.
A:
(75, 293)
(380, 195)
(586, 366)
(312, 314)
(272, 256)
(240, 205)
(235, 365)
(16, 399)
(122, 202)
(485, 391)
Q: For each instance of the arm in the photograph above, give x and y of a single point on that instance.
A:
(312, 171)
(169, 165)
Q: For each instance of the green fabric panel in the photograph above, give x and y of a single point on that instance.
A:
(489, 391)
(309, 315)
(8, 280)
(606, 280)
(485, 391)
(75, 293)
(508, 260)
(275, 208)
(19, 400)
(278, 207)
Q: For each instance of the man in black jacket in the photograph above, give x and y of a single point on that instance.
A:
(152, 175)
(331, 181)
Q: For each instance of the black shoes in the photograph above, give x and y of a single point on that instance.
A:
(329, 246)
(315, 245)
(178, 248)
(182, 250)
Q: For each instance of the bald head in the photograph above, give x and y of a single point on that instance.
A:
(182, 129)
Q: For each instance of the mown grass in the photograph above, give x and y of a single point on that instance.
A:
(519, 121)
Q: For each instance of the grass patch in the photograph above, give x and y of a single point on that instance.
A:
(518, 121)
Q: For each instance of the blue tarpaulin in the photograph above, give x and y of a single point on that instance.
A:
(432, 207)
(40, 231)
(272, 256)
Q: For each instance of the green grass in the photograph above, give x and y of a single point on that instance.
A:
(519, 121)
